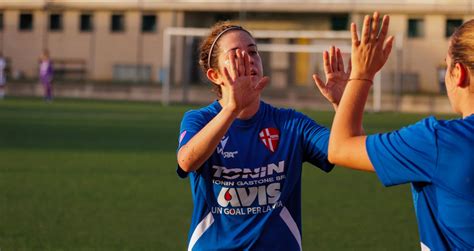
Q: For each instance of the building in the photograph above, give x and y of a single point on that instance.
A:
(123, 39)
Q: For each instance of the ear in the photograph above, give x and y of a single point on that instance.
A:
(214, 76)
(461, 75)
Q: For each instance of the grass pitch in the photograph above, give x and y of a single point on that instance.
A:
(93, 175)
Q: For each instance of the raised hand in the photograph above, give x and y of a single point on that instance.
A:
(336, 77)
(371, 52)
(244, 87)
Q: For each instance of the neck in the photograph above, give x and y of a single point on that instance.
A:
(246, 113)
(468, 108)
(249, 111)
(466, 99)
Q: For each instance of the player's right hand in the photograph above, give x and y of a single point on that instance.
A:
(244, 87)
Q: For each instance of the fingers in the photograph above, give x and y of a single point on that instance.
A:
(319, 83)
(366, 29)
(355, 37)
(233, 66)
(384, 30)
(349, 68)
(246, 59)
(375, 26)
(340, 61)
(327, 66)
(227, 76)
(388, 47)
(332, 59)
(262, 83)
(240, 63)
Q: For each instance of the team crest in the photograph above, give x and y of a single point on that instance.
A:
(270, 138)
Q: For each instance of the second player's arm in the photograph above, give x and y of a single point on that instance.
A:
(199, 148)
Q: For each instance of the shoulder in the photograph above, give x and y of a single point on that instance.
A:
(428, 124)
(203, 113)
(460, 128)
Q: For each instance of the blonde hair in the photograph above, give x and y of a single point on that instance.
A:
(461, 49)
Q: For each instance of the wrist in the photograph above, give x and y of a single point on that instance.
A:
(363, 80)
(231, 109)
(360, 75)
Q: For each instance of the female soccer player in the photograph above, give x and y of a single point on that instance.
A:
(244, 156)
(435, 156)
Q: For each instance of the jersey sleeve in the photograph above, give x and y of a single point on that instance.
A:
(193, 121)
(315, 140)
(406, 155)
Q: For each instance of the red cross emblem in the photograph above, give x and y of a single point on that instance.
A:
(270, 138)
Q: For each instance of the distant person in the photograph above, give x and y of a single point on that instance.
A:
(243, 156)
(3, 66)
(46, 75)
(435, 156)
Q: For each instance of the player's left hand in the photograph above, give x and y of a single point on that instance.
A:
(336, 77)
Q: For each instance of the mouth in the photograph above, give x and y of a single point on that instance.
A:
(253, 73)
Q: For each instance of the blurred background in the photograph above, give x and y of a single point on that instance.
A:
(95, 168)
(148, 44)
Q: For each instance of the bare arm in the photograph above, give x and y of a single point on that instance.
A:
(200, 147)
(347, 145)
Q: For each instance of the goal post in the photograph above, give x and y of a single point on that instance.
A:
(321, 41)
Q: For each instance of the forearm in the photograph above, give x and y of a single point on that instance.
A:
(347, 142)
(200, 147)
(361, 130)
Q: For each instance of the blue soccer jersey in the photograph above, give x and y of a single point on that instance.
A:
(247, 195)
(437, 157)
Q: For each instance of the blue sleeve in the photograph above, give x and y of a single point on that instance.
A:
(407, 155)
(193, 121)
(315, 140)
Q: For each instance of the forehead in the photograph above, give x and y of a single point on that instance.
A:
(235, 39)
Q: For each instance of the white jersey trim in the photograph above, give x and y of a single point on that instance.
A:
(424, 247)
(200, 229)
(286, 216)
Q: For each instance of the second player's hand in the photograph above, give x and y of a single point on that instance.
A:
(336, 77)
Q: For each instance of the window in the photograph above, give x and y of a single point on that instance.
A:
(1, 21)
(117, 23)
(148, 23)
(26, 22)
(55, 22)
(339, 23)
(85, 23)
(451, 25)
(416, 28)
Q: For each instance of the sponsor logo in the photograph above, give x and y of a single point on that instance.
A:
(246, 196)
(220, 150)
(270, 138)
(245, 173)
(258, 193)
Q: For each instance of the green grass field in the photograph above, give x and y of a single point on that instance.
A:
(93, 175)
